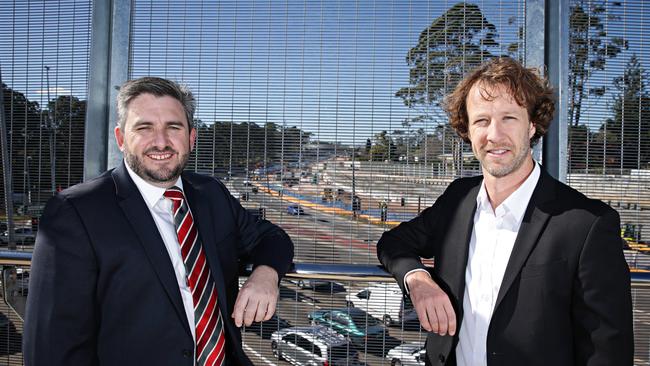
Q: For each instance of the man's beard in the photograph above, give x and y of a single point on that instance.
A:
(162, 175)
(500, 171)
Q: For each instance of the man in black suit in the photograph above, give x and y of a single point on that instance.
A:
(527, 270)
(140, 265)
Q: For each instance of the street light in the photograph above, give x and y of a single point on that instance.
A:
(51, 126)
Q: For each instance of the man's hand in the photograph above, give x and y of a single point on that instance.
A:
(257, 297)
(431, 304)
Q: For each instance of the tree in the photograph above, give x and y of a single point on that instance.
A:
(589, 48)
(384, 147)
(69, 119)
(455, 42)
(629, 130)
(26, 141)
(367, 149)
(224, 146)
(580, 146)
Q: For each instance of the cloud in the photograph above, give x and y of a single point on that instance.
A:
(54, 91)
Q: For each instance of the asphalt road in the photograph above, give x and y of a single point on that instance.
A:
(325, 238)
(322, 237)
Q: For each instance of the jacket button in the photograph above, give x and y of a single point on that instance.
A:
(441, 357)
(187, 353)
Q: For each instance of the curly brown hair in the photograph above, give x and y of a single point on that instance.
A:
(526, 86)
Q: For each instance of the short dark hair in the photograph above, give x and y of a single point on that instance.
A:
(159, 87)
(525, 85)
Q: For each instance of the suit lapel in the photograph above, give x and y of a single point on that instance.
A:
(206, 225)
(532, 226)
(136, 211)
(459, 241)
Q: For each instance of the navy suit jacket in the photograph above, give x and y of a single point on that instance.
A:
(565, 296)
(102, 287)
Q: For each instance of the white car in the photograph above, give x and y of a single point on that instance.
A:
(407, 354)
(313, 345)
(383, 301)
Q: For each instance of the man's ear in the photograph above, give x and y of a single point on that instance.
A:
(532, 129)
(192, 138)
(119, 137)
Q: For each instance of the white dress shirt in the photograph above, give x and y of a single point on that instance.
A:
(493, 238)
(161, 210)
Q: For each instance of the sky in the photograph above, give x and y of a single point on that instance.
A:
(329, 67)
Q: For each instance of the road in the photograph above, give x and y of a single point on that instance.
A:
(322, 237)
(319, 237)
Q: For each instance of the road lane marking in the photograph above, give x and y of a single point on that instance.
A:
(251, 350)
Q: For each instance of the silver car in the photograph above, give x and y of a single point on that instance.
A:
(407, 354)
(313, 346)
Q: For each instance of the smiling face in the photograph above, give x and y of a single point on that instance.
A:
(500, 132)
(156, 139)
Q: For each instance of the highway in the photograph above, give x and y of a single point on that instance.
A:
(325, 237)
(319, 237)
(322, 237)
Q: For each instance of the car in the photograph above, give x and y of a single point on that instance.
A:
(22, 235)
(314, 345)
(407, 354)
(319, 285)
(295, 210)
(353, 323)
(266, 328)
(384, 301)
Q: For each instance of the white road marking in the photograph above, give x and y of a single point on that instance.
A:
(266, 360)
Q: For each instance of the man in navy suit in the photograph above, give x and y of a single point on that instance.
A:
(527, 270)
(140, 265)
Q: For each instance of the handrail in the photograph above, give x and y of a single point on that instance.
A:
(323, 271)
(16, 258)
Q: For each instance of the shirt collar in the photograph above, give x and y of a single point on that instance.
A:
(149, 192)
(518, 200)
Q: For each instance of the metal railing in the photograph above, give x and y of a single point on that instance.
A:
(296, 302)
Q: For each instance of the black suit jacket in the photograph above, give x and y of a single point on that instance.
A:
(102, 287)
(565, 296)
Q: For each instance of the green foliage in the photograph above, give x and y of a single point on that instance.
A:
(589, 49)
(383, 148)
(454, 43)
(30, 129)
(227, 146)
(622, 142)
(220, 146)
(630, 127)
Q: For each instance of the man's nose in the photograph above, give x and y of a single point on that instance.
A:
(495, 130)
(161, 138)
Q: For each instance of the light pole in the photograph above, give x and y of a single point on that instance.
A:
(51, 127)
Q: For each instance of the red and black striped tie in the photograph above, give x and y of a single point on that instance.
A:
(210, 339)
